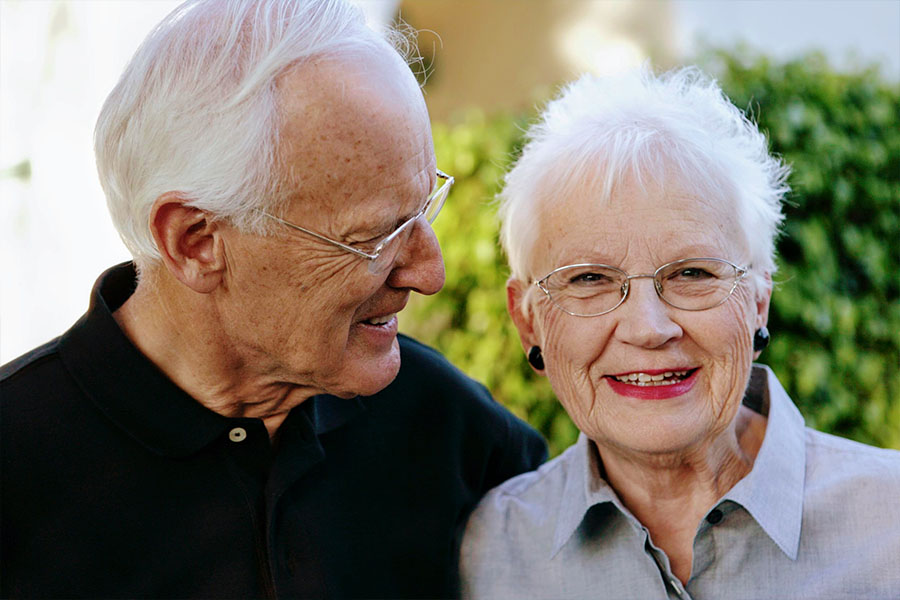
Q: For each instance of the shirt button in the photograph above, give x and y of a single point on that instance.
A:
(238, 434)
(714, 516)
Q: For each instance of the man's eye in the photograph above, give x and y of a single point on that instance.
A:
(368, 242)
(369, 239)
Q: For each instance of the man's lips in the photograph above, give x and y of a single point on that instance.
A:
(379, 320)
(383, 315)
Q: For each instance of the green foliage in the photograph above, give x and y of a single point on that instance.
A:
(467, 320)
(835, 315)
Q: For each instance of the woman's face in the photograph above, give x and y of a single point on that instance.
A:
(586, 357)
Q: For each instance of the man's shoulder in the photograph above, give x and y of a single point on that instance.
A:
(426, 375)
(435, 393)
(422, 365)
(35, 388)
(417, 357)
(30, 368)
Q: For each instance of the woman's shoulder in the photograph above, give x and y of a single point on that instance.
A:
(528, 501)
(838, 466)
(513, 525)
(830, 448)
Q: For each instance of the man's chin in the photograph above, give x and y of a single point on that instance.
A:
(366, 376)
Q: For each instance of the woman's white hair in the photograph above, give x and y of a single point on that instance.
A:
(196, 110)
(637, 125)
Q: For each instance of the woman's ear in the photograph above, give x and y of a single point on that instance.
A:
(521, 314)
(763, 297)
(189, 242)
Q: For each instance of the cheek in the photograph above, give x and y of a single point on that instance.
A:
(571, 346)
(289, 297)
(726, 339)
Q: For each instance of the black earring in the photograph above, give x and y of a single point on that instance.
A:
(535, 358)
(760, 339)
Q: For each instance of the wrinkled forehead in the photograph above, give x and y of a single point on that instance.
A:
(351, 117)
(658, 210)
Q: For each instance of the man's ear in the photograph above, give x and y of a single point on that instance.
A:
(522, 316)
(189, 242)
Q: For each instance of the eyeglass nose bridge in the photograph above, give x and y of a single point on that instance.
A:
(626, 287)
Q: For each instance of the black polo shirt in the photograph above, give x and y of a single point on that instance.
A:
(116, 483)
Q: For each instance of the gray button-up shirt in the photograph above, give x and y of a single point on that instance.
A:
(817, 517)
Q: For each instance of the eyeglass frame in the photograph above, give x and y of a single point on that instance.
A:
(740, 273)
(448, 181)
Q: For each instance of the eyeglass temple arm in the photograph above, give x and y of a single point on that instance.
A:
(356, 251)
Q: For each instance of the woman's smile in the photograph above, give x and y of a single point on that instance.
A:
(654, 384)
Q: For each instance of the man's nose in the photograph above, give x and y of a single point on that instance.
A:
(644, 319)
(419, 266)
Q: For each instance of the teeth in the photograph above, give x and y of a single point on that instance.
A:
(667, 378)
(380, 320)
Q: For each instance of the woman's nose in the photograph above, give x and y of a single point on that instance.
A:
(644, 319)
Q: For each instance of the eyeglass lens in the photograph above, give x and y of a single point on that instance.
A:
(693, 284)
(389, 251)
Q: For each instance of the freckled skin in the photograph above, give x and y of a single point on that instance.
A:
(356, 143)
(638, 231)
(253, 325)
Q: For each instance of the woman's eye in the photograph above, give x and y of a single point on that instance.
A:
(693, 273)
(590, 278)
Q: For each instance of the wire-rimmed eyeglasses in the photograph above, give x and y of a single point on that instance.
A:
(591, 290)
(384, 253)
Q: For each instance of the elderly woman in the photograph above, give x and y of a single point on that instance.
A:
(640, 225)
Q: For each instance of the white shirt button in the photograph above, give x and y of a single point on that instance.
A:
(238, 434)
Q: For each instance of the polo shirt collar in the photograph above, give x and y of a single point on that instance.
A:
(138, 397)
(772, 492)
(330, 412)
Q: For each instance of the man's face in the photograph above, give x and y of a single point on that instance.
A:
(358, 159)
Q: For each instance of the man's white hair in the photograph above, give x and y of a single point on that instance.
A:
(196, 111)
(679, 125)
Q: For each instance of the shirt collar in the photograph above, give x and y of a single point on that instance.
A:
(584, 488)
(132, 392)
(772, 492)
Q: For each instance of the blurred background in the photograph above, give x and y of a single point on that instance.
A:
(821, 77)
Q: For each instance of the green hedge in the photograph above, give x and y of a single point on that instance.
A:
(835, 315)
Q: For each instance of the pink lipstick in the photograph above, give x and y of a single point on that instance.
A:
(653, 390)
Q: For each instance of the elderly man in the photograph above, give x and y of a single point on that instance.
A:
(227, 420)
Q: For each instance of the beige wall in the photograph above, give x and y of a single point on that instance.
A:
(511, 54)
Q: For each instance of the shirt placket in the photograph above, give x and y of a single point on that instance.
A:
(675, 590)
(293, 559)
(248, 454)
